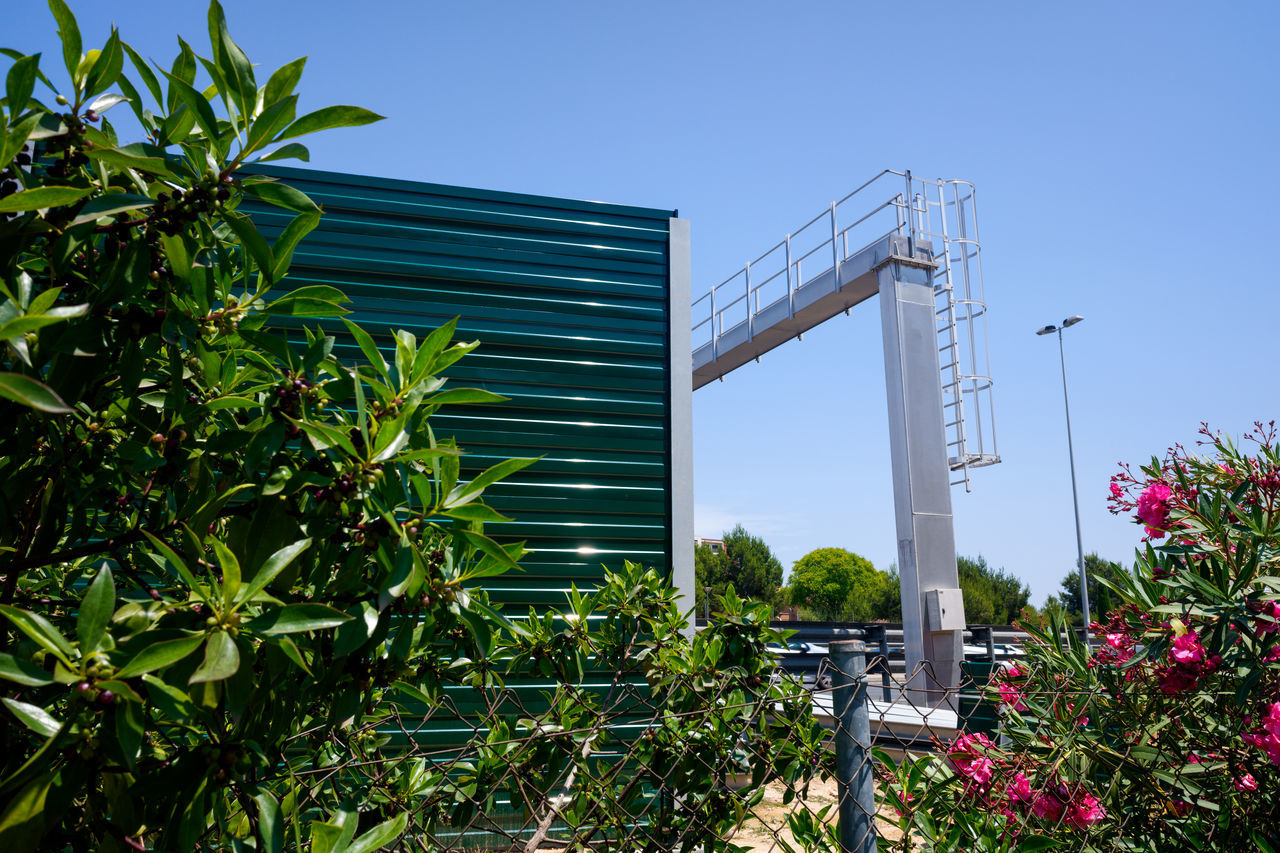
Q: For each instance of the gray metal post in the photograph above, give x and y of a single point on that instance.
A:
(855, 783)
(1075, 495)
(932, 608)
(681, 414)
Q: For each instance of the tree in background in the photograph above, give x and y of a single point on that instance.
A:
(747, 564)
(710, 573)
(991, 596)
(832, 583)
(753, 568)
(1100, 598)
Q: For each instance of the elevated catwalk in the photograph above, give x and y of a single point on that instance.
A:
(914, 243)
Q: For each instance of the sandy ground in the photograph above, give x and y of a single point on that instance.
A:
(768, 823)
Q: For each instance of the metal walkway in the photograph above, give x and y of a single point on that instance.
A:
(829, 265)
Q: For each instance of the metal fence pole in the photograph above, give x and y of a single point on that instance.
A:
(854, 779)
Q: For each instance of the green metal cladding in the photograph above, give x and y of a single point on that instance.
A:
(569, 300)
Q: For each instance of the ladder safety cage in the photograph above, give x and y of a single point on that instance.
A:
(940, 215)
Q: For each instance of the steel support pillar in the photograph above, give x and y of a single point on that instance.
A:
(932, 610)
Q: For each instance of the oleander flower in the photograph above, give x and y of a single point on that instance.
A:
(1153, 509)
(1085, 811)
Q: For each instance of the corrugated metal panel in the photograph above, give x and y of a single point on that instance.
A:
(569, 300)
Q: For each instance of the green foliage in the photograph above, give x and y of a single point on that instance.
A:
(225, 550)
(1165, 735)
(1100, 573)
(832, 583)
(991, 596)
(747, 564)
(710, 574)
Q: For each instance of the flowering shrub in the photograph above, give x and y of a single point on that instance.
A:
(1166, 729)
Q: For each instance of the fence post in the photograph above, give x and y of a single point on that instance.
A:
(854, 779)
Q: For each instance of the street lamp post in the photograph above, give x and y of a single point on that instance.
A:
(1071, 455)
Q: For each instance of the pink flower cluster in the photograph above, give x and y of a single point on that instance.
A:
(1153, 509)
(1267, 738)
(1188, 664)
(977, 760)
(1267, 625)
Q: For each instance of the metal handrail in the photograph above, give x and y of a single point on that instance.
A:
(941, 213)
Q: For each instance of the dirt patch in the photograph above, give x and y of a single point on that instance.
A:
(761, 832)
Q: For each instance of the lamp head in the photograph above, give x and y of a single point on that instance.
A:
(1047, 330)
(1071, 321)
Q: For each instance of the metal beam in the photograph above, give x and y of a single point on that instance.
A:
(680, 427)
(932, 618)
(810, 304)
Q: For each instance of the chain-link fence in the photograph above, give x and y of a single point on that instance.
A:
(720, 760)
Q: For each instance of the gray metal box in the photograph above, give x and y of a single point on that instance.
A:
(944, 610)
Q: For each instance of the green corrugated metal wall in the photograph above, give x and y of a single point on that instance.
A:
(569, 300)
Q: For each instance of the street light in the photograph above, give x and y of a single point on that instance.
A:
(1071, 454)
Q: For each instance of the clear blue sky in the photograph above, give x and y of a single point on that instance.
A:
(1124, 155)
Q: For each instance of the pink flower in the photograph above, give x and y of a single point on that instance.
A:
(1153, 509)
(1020, 788)
(1186, 649)
(1048, 807)
(1116, 492)
(1269, 743)
(1085, 812)
(1266, 626)
(1247, 783)
(1273, 655)
(1118, 641)
(967, 756)
(1010, 695)
(1175, 679)
(1272, 721)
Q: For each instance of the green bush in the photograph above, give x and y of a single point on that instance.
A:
(224, 549)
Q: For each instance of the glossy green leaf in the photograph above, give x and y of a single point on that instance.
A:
(195, 102)
(284, 81)
(144, 71)
(273, 119)
(39, 629)
(466, 492)
(68, 32)
(381, 835)
(125, 160)
(370, 350)
(271, 568)
(106, 68)
(159, 655)
(230, 568)
(293, 618)
(330, 117)
(271, 822)
(290, 151)
(111, 203)
(236, 68)
(39, 198)
(22, 672)
(22, 825)
(19, 326)
(299, 227)
(33, 717)
(27, 391)
(281, 195)
(20, 82)
(221, 659)
(95, 611)
(253, 241)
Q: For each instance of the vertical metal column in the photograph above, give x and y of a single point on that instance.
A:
(680, 424)
(855, 783)
(932, 611)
